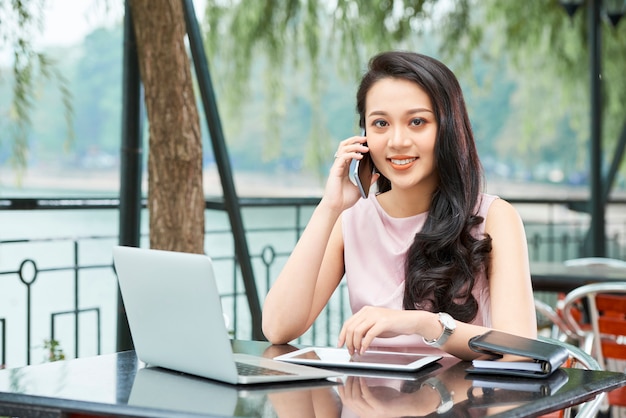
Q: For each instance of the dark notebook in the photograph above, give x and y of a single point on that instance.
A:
(539, 358)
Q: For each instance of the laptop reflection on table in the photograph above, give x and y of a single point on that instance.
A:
(163, 389)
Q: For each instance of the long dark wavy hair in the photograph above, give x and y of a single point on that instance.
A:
(444, 258)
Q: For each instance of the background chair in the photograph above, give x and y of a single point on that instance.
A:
(559, 330)
(606, 306)
(579, 359)
(551, 314)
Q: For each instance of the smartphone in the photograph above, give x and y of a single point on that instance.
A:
(361, 172)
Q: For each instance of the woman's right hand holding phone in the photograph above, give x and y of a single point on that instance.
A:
(340, 192)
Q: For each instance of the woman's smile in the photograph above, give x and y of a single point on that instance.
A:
(402, 163)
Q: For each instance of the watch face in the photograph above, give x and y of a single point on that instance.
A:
(447, 320)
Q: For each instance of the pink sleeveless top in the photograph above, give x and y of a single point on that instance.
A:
(375, 245)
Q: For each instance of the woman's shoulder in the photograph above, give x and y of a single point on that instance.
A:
(495, 204)
(501, 212)
(485, 201)
(358, 213)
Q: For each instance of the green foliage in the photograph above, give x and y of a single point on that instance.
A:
(533, 61)
(20, 21)
(264, 26)
(93, 71)
(549, 53)
(275, 41)
(97, 80)
(54, 352)
(285, 73)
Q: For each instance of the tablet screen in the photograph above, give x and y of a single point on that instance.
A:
(386, 358)
(340, 357)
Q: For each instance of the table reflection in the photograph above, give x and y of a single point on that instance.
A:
(162, 389)
(428, 393)
(435, 390)
(491, 394)
(431, 393)
(120, 385)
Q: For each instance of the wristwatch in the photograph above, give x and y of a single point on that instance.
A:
(448, 324)
(446, 397)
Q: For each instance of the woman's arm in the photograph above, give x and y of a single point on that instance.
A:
(512, 299)
(316, 266)
(308, 279)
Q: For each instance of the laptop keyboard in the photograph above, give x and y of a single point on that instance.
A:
(244, 369)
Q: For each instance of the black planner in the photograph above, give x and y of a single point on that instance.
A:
(533, 358)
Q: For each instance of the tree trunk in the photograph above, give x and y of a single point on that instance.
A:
(175, 192)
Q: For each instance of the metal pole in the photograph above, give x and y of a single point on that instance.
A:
(131, 164)
(618, 156)
(597, 248)
(231, 200)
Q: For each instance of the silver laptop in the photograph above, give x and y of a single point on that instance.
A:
(176, 320)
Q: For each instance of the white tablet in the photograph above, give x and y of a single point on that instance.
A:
(340, 357)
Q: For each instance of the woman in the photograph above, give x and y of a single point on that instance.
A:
(428, 258)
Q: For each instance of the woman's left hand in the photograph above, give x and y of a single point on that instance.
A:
(370, 322)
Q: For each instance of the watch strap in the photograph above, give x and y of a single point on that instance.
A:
(447, 402)
(445, 333)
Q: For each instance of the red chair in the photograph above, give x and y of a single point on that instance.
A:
(582, 335)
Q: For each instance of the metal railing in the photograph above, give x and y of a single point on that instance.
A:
(81, 267)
